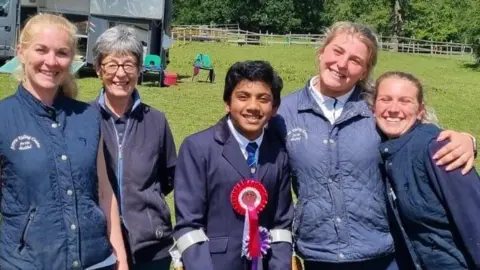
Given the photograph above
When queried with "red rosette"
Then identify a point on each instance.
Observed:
(248, 194)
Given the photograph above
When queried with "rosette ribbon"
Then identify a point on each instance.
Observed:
(249, 198)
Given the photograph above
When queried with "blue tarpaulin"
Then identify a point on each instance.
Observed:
(14, 63)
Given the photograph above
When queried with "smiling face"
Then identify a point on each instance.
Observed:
(397, 106)
(119, 73)
(47, 59)
(250, 108)
(343, 63)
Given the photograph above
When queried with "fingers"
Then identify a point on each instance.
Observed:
(441, 155)
(455, 155)
(468, 166)
(458, 146)
(457, 162)
(444, 135)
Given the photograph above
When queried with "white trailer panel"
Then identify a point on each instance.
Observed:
(142, 9)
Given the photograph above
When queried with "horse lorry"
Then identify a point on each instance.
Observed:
(151, 19)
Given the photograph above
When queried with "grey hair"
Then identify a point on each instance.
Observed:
(119, 39)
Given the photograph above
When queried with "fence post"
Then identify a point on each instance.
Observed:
(380, 42)
(395, 43)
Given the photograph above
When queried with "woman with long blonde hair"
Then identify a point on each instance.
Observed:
(58, 208)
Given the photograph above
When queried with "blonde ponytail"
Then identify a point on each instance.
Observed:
(69, 86)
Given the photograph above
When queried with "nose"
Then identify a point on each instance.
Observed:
(342, 61)
(51, 59)
(253, 104)
(121, 72)
(393, 107)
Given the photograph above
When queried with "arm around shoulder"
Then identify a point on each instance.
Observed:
(460, 151)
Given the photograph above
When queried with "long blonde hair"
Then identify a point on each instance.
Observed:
(364, 34)
(28, 33)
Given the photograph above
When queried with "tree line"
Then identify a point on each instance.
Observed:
(439, 20)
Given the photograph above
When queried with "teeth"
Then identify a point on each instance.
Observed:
(49, 73)
(120, 83)
(337, 74)
(390, 119)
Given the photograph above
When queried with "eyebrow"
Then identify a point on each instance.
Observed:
(354, 56)
(338, 47)
(240, 91)
(358, 59)
(45, 46)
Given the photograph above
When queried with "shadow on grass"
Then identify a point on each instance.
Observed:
(151, 84)
(86, 73)
(205, 82)
(471, 66)
(181, 76)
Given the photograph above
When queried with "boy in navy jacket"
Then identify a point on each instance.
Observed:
(232, 183)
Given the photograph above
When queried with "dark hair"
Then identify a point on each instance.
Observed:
(253, 70)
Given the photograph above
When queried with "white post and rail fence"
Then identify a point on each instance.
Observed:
(231, 33)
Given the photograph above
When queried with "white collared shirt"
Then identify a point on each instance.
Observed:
(326, 103)
(243, 142)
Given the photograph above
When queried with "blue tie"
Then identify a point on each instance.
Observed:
(251, 160)
(334, 105)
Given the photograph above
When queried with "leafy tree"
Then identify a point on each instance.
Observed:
(432, 19)
(277, 16)
(441, 20)
(376, 13)
(469, 26)
(311, 15)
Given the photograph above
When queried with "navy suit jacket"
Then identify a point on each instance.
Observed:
(209, 165)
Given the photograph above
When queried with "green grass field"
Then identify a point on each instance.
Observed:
(452, 84)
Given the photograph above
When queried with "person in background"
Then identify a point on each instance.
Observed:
(58, 208)
(139, 150)
(436, 210)
(332, 142)
(232, 183)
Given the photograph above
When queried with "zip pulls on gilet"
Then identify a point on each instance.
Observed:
(120, 164)
(23, 238)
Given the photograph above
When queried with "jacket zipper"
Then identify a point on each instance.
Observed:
(25, 230)
(120, 163)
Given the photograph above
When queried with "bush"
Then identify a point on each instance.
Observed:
(476, 49)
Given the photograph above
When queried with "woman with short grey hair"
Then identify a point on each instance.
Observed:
(139, 150)
(117, 40)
